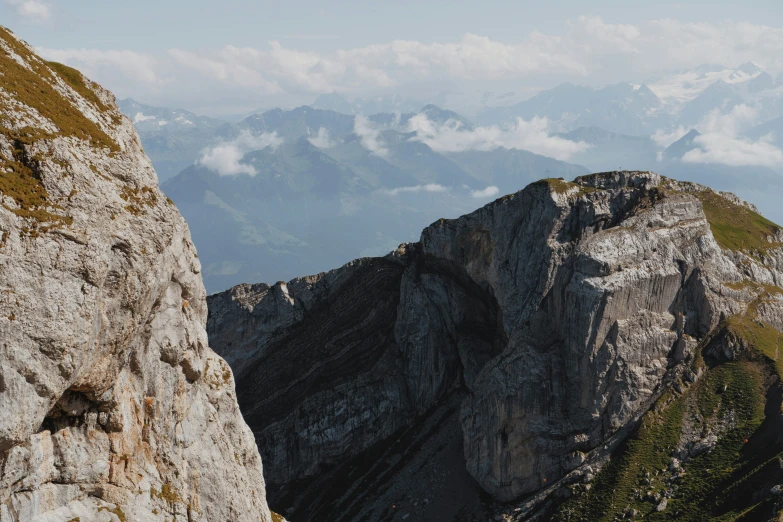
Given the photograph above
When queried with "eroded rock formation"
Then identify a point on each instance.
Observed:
(112, 405)
(556, 316)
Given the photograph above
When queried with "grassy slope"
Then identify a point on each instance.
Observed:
(736, 227)
(33, 88)
(701, 493)
(730, 482)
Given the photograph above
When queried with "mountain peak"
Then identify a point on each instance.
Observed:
(750, 68)
(457, 281)
(746, 71)
(436, 114)
(679, 148)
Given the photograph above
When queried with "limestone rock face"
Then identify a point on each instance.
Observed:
(113, 405)
(561, 313)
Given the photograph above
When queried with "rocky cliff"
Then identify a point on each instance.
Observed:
(559, 348)
(112, 405)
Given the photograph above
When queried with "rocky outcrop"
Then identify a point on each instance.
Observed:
(560, 313)
(113, 405)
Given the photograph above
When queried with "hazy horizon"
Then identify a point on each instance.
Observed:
(229, 59)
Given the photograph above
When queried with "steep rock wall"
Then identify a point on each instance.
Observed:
(113, 405)
(562, 312)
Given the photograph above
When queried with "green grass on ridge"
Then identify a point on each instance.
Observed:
(736, 227)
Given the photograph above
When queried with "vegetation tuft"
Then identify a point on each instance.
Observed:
(137, 199)
(762, 337)
(729, 401)
(561, 186)
(19, 178)
(167, 493)
(18, 181)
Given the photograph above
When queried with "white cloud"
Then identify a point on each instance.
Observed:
(740, 118)
(227, 66)
(719, 141)
(321, 140)
(488, 192)
(587, 49)
(602, 37)
(687, 44)
(32, 9)
(430, 187)
(369, 136)
(531, 135)
(588, 46)
(225, 158)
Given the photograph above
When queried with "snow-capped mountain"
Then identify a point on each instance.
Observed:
(624, 108)
(675, 90)
(149, 118)
(680, 99)
(718, 95)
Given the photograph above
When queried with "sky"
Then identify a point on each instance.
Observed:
(230, 57)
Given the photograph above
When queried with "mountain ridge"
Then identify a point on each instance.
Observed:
(559, 318)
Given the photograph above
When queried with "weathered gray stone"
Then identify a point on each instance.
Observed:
(111, 400)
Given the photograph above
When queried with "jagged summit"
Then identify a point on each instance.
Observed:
(113, 405)
(746, 70)
(526, 346)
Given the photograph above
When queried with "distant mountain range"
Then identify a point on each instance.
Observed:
(322, 197)
(339, 180)
(172, 138)
(682, 98)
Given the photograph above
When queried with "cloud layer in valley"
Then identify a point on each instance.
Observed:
(453, 136)
(721, 142)
(664, 138)
(370, 136)
(321, 139)
(489, 192)
(532, 135)
(486, 193)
